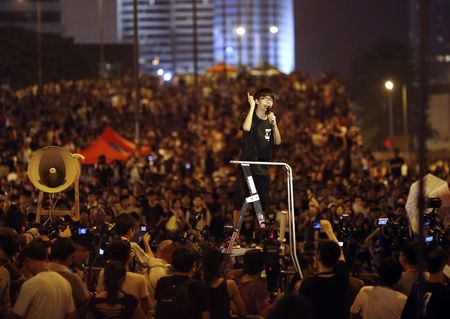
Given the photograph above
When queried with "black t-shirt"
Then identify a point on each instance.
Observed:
(327, 294)
(437, 300)
(219, 301)
(396, 166)
(153, 214)
(257, 144)
(198, 294)
(121, 308)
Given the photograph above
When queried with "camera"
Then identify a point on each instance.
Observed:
(429, 239)
(143, 228)
(316, 225)
(434, 202)
(82, 231)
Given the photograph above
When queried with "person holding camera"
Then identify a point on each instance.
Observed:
(331, 281)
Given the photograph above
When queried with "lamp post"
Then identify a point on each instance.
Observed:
(240, 31)
(194, 42)
(101, 29)
(389, 85)
(137, 103)
(273, 29)
(39, 41)
(405, 109)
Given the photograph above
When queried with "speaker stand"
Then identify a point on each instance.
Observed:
(74, 212)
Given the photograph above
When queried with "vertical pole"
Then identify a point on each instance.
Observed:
(405, 116)
(137, 103)
(39, 41)
(194, 42)
(275, 40)
(422, 156)
(224, 37)
(101, 29)
(391, 114)
(238, 4)
(249, 32)
(405, 109)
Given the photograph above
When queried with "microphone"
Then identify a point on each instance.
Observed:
(268, 111)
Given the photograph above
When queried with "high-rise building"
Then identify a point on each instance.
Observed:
(23, 14)
(238, 32)
(252, 33)
(438, 38)
(178, 36)
(166, 33)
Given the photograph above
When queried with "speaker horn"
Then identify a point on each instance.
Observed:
(52, 169)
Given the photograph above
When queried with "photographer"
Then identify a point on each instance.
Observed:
(326, 288)
(126, 230)
(331, 280)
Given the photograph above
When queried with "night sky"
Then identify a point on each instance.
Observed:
(329, 33)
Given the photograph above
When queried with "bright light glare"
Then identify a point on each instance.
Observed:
(155, 61)
(167, 77)
(273, 29)
(240, 30)
(160, 72)
(389, 85)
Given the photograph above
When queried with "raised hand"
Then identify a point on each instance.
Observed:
(251, 100)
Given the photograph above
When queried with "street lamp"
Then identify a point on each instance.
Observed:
(39, 41)
(240, 31)
(389, 85)
(273, 29)
(101, 29)
(137, 86)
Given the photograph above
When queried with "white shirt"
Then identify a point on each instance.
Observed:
(158, 268)
(47, 295)
(376, 302)
(134, 284)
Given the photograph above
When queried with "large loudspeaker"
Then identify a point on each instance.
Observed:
(52, 169)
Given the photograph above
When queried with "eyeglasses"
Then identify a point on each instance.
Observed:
(266, 99)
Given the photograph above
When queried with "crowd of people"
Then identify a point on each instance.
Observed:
(159, 221)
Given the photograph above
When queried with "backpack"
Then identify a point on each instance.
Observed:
(172, 298)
